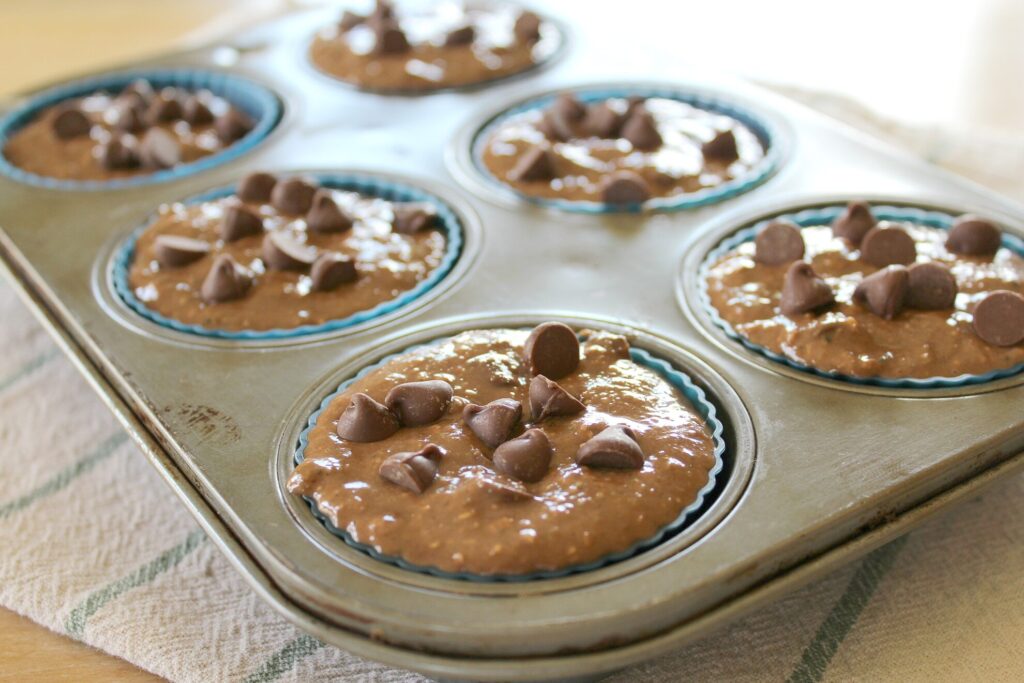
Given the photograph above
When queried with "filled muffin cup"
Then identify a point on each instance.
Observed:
(624, 149)
(258, 107)
(884, 297)
(702, 408)
(382, 196)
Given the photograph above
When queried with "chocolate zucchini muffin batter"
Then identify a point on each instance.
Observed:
(619, 151)
(281, 254)
(507, 452)
(869, 298)
(444, 46)
(138, 131)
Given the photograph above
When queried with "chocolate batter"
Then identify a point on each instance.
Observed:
(582, 164)
(574, 514)
(847, 337)
(388, 264)
(432, 60)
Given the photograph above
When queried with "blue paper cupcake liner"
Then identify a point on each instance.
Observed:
(825, 216)
(262, 105)
(761, 128)
(364, 185)
(694, 394)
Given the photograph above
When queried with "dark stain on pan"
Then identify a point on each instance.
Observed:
(207, 424)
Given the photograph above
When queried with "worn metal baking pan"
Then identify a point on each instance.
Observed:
(820, 471)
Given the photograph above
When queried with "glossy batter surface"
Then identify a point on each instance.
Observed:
(389, 264)
(677, 167)
(575, 515)
(850, 339)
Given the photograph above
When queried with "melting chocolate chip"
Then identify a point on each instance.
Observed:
(174, 251)
(463, 35)
(382, 11)
(282, 252)
(390, 39)
(884, 292)
(999, 318)
(854, 223)
(163, 108)
(159, 149)
(554, 126)
(722, 147)
(413, 471)
(504, 488)
(536, 164)
(624, 188)
(568, 107)
(232, 125)
(883, 247)
(973, 236)
(526, 457)
(527, 27)
(419, 403)
(119, 153)
(331, 270)
(641, 130)
(239, 222)
(349, 20)
(549, 399)
(602, 121)
(778, 243)
(196, 112)
(614, 448)
(293, 196)
(70, 123)
(931, 287)
(493, 423)
(129, 116)
(256, 187)
(413, 217)
(552, 350)
(325, 216)
(803, 291)
(141, 89)
(366, 420)
(225, 281)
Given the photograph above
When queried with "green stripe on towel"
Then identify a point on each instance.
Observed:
(284, 659)
(28, 368)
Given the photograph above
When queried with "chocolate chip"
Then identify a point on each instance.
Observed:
(232, 125)
(282, 252)
(536, 164)
(413, 471)
(293, 196)
(549, 399)
(141, 89)
(332, 269)
(624, 188)
(973, 236)
(641, 130)
(70, 123)
(568, 107)
(366, 420)
(552, 350)
(174, 251)
(778, 243)
(602, 121)
(119, 153)
(722, 147)
(225, 281)
(614, 448)
(883, 247)
(349, 20)
(554, 126)
(462, 35)
(413, 217)
(159, 149)
(390, 39)
(128, 116)
(526, 457)
(503, 488)
(999, 318)
(256, 187)
(325, 216)
(803, 291)
(382, 11)
(527, 27)
(932, 287)
(419, 403)
(854, 223)
(239, 222)
(493, 423)
(196, 112)
(162, 109)
(884, 292)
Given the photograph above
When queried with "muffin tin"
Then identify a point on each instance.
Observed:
(816, 471)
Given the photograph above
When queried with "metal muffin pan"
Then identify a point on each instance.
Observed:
(822, 474)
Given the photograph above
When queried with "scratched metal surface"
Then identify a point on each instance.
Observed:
(814, 464)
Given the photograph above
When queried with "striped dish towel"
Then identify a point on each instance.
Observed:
(94, 546)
